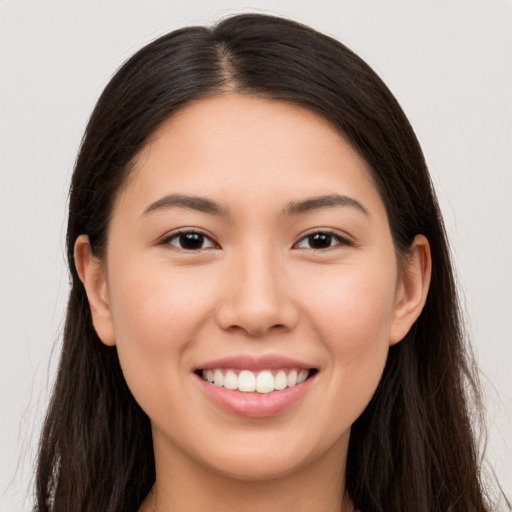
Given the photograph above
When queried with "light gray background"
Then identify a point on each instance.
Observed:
(449, 63)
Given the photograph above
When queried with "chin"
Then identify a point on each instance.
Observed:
(261, 468)
(264, 458)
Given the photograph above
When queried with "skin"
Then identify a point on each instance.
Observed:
(256, 287)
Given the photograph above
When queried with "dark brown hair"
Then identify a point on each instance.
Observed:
(413, 448)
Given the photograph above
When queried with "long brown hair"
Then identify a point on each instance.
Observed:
(414, 447)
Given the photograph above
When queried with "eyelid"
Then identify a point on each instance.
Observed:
(344, 240)
(165, 240)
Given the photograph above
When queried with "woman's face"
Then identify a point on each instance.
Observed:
(250, 246)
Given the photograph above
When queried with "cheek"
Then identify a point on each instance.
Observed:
(158, 307)
(353, 304)
(352, 316)
(157, 313)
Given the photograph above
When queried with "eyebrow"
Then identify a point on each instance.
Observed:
(188, 202)
(321, 202)
(293, 208)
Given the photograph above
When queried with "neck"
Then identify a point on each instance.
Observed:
(181, 484)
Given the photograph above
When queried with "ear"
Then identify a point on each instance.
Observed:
(412, 288)
(92, 273)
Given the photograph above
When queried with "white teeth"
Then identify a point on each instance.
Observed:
(302, 376)
(261, 382)
(231, 380)
(280, 381)
(292, 378)
(246, 381)
(218, 378)
(264, 382)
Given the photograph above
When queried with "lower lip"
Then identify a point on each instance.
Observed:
(255, 405)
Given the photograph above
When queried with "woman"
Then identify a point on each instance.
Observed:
(263, 313)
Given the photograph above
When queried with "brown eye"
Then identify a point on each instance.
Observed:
(190, 241)
(321, 240)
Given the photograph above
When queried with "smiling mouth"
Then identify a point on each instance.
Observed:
(265, 381)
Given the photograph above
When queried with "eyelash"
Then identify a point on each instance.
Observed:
(176, 236)
(336, 236)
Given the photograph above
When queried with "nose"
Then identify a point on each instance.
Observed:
(255, 296)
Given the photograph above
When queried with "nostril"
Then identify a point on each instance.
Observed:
(257, 310)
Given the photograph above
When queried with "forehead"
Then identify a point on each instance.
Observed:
(233, 144)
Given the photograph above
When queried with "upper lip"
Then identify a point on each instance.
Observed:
(255, 363)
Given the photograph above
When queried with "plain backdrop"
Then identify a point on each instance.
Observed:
(448, 62)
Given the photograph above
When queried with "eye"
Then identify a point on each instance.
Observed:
(321, 240)
(190, 241)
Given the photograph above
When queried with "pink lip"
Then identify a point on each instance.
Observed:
(255, 405)
(253, 363)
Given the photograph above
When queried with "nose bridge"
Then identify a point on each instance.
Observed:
(255, 296)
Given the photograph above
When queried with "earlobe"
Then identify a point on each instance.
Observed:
(412, 289)
(92, 273)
